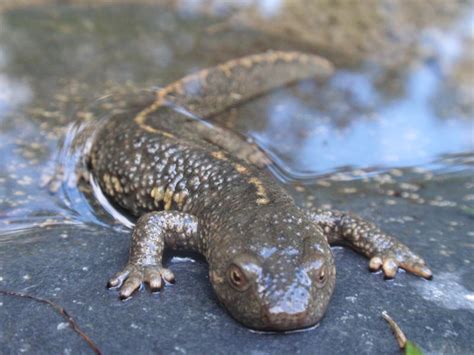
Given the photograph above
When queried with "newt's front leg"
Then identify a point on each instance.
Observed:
(152, 233)
(384, 251)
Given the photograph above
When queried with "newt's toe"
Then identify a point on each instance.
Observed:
(168, 275)
(118, 278)
(375, 263)
(132, 284)
(419, 269)
(390, 268)
(153, 279)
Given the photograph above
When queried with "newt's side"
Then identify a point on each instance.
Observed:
(200, 187)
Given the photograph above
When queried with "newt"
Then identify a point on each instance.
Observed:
(200, 187)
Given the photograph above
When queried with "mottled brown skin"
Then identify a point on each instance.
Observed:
(199, 187)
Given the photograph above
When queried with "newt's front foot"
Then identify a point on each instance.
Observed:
(397, 256)
(383, 250)
(133, 276)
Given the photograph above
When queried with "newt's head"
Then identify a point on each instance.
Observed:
(274, 273)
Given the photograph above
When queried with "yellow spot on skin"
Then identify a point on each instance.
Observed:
(157, 194)
(227, 68)
(262, 201)
(168, 199)
(202, 75)
(235, 96)
(290, 56)
(241, 169)
(246, 62)
(180, 198)
(116, 184)
(176, 87)
(108, 184)
(261, 192)
(219, 155)
(140, 118)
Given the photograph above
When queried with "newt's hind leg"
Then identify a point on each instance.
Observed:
(384, 251)
(232, 142)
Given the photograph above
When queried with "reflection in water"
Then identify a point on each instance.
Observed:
(377, 131)
(13, 93)
(389, 132)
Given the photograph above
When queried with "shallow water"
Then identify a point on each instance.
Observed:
(390, 140)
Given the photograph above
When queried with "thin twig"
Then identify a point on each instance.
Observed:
(399, 335)
(73, 324)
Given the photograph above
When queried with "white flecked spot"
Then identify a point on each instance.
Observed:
(351, 299)
(180, 350)
(62, 325)
(470, 297)
(24, 348)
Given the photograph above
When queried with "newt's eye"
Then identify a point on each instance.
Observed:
(237, 278)
(321, 277)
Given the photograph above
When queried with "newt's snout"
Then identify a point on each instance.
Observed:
(288, 314)
(292, 301)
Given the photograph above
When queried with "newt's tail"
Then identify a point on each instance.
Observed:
(213, 90)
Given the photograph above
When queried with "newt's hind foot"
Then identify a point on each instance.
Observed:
(132, 277)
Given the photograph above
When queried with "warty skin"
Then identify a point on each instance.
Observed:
(194, 186)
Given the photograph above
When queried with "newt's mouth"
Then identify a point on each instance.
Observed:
(289, 331)
(291, 320)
